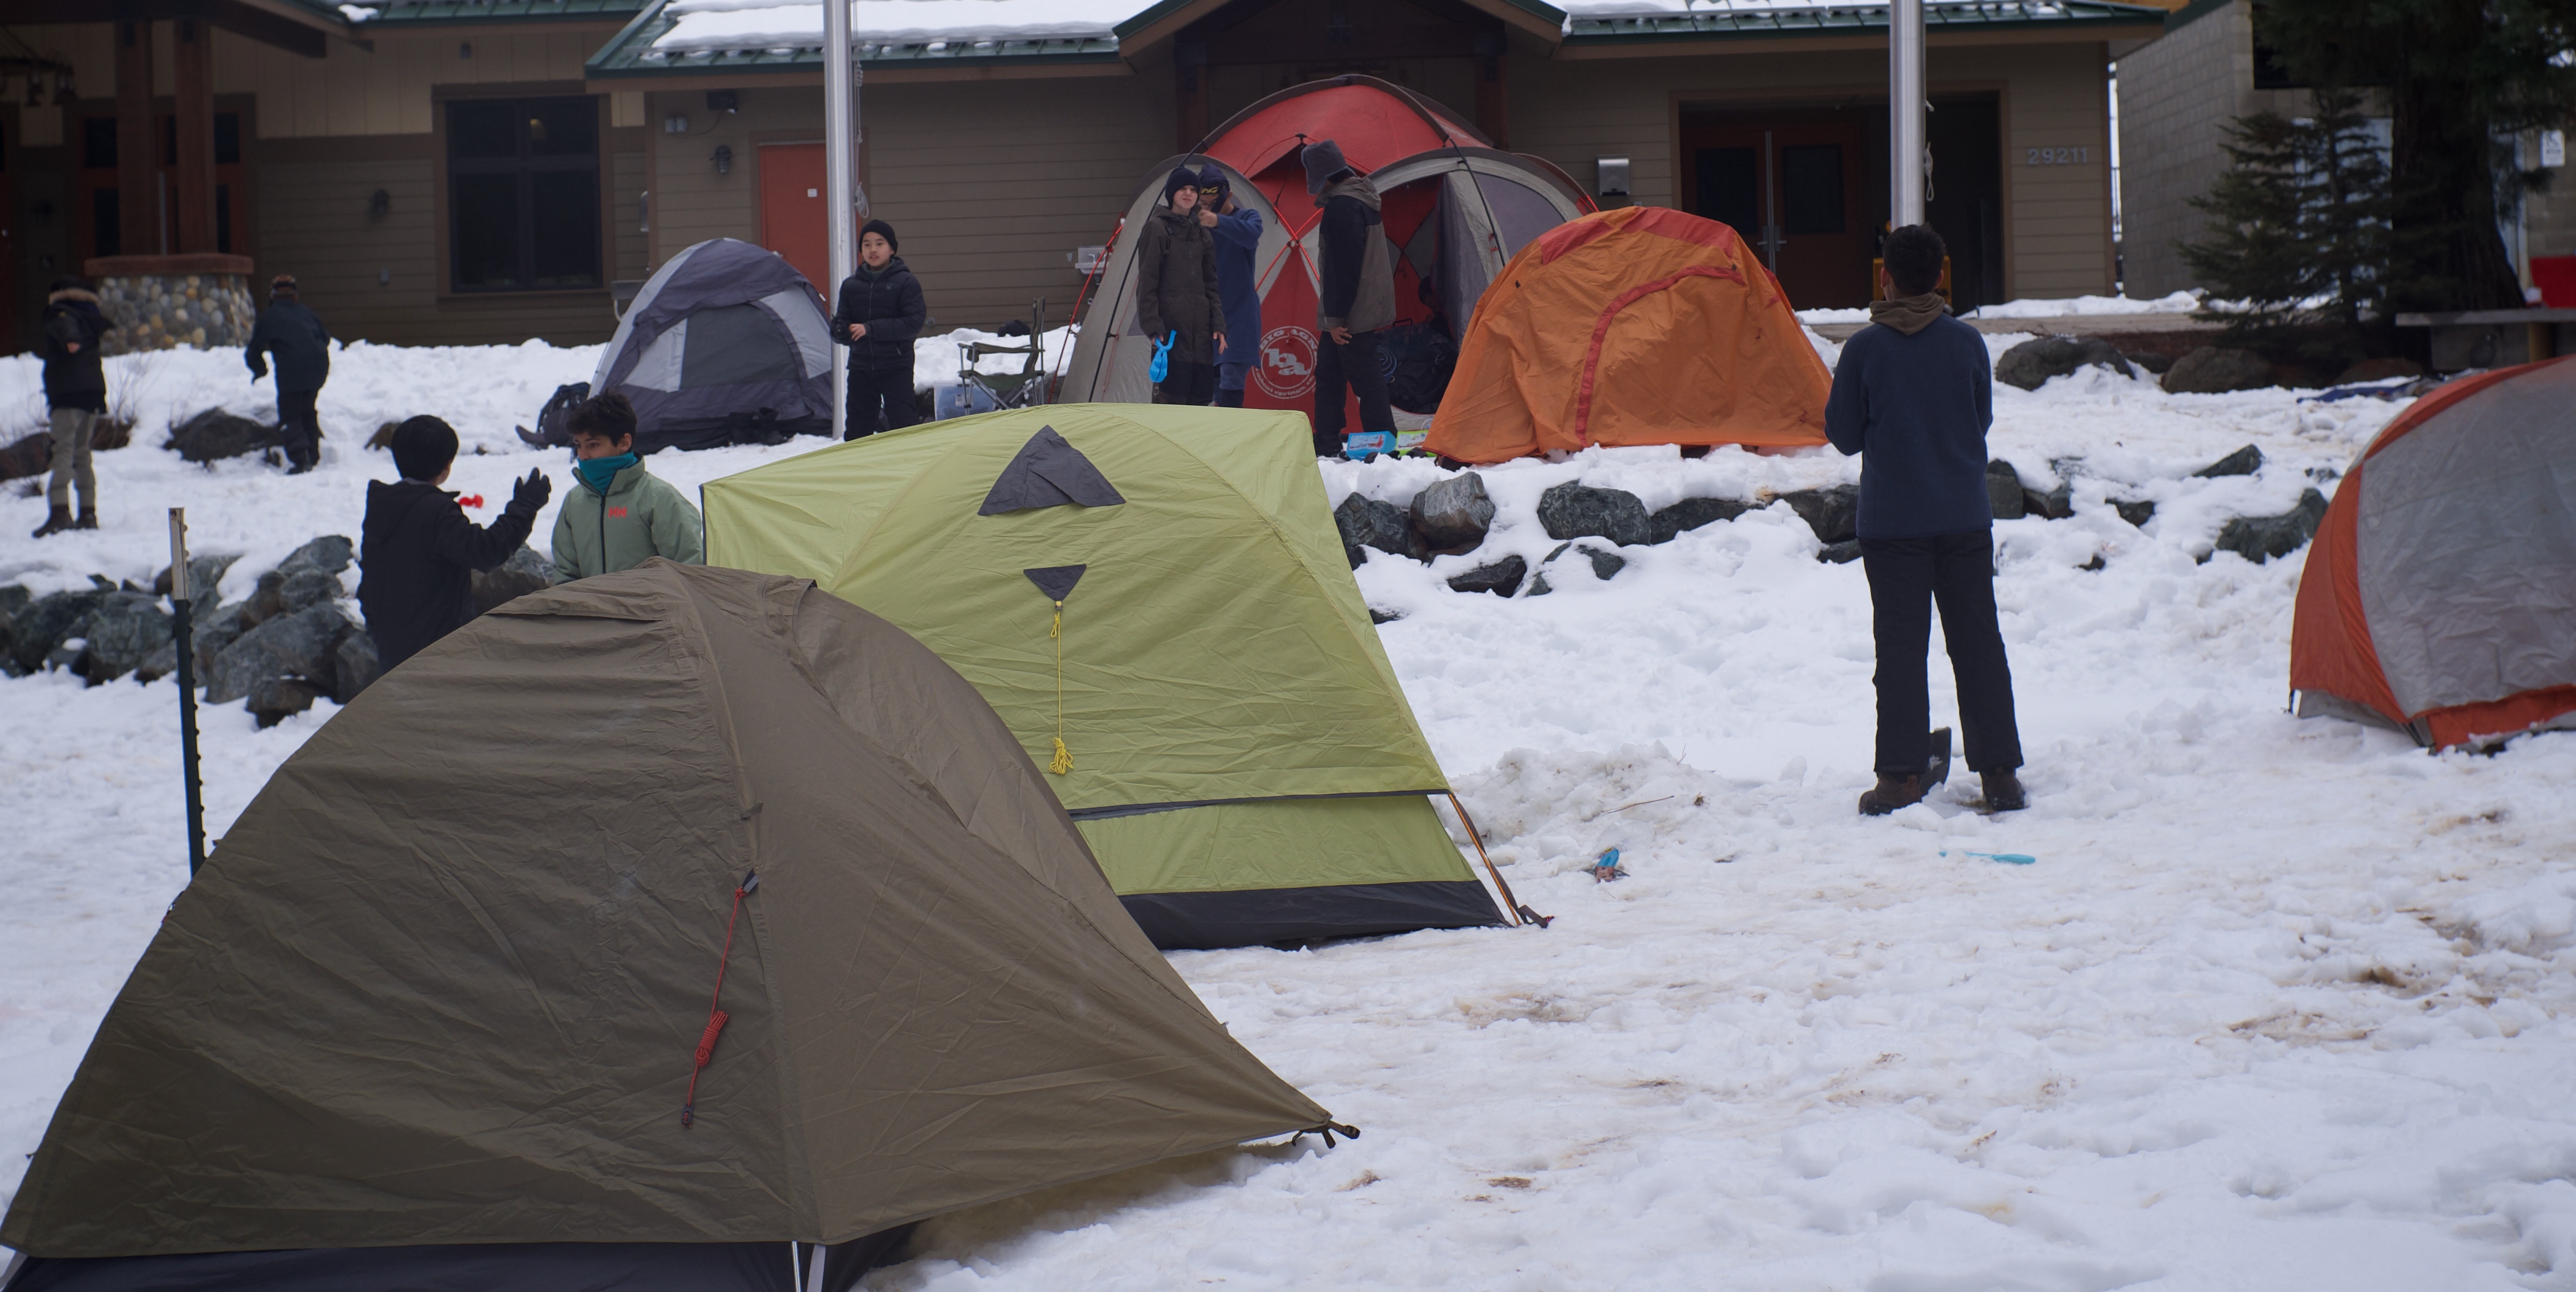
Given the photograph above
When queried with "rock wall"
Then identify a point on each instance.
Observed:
(159, 311)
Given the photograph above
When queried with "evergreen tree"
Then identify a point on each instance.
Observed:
(2299, 228)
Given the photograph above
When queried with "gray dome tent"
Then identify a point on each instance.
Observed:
(726, 344)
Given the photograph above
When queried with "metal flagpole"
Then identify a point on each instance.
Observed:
(1905, 143)
(183, 636)
(840, 167)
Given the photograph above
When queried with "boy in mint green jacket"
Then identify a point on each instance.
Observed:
(619, 515)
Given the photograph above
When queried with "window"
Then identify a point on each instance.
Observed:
(1811, 188)
(98, 143)
(523, 194)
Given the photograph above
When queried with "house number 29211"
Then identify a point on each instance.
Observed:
(2057, 156)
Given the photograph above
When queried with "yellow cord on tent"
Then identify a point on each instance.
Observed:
(1063, 757)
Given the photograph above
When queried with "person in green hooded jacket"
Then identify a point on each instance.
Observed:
(619, 515)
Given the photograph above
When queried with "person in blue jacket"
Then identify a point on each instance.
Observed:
(1238, 235)
(290, 329)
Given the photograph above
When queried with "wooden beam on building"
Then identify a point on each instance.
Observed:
(1493, 100)
(1189, 94)
(270, 28)
(192, 179)
(138, 150)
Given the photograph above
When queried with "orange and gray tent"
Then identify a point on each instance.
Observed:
(1637, 326)
(674, 929)
(2440, 594)
(1454, 207)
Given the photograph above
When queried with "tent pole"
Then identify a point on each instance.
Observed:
(840, 134)
(1511, 905)
(1905, 95)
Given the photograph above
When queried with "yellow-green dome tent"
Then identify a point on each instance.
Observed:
(1157, 603)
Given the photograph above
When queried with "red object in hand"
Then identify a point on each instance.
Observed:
(472, 500)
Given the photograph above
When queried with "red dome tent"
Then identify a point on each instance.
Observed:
(1455, 208)
(2440, 594)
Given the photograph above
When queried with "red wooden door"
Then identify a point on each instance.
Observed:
(793, 220)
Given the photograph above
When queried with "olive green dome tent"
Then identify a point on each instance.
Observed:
(432, 1014)
(1157, 603)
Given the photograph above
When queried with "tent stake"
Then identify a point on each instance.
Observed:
(1520, 914)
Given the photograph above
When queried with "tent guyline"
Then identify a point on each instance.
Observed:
(1056, 582)
(716, 1017)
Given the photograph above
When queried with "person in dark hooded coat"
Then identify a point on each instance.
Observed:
(294, 333)
(1177, 296)
(881, 312)
(417, 551)
(1357, 278)
(75, 398)
(1237, 232)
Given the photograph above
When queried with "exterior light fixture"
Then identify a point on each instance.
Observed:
(378, 203)
(1613, 172)
(723, 159)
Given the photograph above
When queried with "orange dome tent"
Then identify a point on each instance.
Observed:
(1637, 326)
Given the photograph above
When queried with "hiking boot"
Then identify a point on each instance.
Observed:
(2004, 792)
(56, 521)
(88, 519)
(1891, 793)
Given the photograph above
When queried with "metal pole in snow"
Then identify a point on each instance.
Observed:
(183, 635)
(1905, 94)
(840, 127)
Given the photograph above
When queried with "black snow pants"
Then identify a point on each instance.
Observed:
(882, 392)
(300, 427)
(1354, 368)
(1907, 576)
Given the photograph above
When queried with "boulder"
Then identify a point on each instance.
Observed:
(304, 644)
(2212, 370)
(45, 621)
(1454, 515)
(2260, 538)
(1377, 616)
(354, 665)
(2004, 491)
(1502, 578)
(2056, 504)
(1690, 514)
(213, 632)
(1833, 513)
(12, 600)
(29, 455)
(330, 554)
(1605, 563)
(2159, 364)
(1571, 511)
(1842, 553)
(2137, 512)
(523, 573)
(2035, 361)
(215, 434)
(306, 587)
(2379, 370)
(2243, 462)
(1366, 522)
(276, 698)
(204, 572)
(127, 630)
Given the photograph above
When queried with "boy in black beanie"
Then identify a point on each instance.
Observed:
(881, 312)
(416, 549)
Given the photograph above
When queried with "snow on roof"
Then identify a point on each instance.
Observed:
(1806, 12)
(767, 24)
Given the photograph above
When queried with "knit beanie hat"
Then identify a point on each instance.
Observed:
(1213, 177)
(882, 230)
(1181, 177)
(423, 446)
(1323, 162)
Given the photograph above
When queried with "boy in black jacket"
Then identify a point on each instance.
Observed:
(75, 395)
(416, 549)
(880, 313)
(1914, 392)
(1358, 283)
(295, 334)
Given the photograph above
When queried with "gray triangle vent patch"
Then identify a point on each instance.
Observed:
(1048, 473)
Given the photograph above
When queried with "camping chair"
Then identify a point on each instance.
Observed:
(1023, 389)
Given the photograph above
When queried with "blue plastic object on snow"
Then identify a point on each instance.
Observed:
(1162, 365)
(2007, 858)
(1362, 444)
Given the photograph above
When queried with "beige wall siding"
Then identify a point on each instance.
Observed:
(988, 184)
(353, 91)
(2177, 96)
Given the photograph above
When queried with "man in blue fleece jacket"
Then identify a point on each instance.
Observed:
(1914, 393)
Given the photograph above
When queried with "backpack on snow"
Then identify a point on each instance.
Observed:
(552, 430)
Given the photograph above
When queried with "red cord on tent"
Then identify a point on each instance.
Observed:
(716, 1018)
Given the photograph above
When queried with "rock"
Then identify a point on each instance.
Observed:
(1833, 513)
(1571, 511)
(2003, 491)
(330, 554)
(2159, 364)
(1377, 616)
(2056, 504)
(2243, 462)
(1502, 578)
(45, 622)
(274, 699)
(2211, 370)
(2260, 538)
(220, 629)
(127, 629)
(1842, 553)
(355, 667)
(523, 573)
(215, 434)
(1366, 522)
(2096, 565)
(304, 644)
(1605, 563)
(1690, 514)
(30, 455)
(1454, 515)
(2137, 512)
(307, 587)
(2379, 370)
(204, 573)
(2035, 361)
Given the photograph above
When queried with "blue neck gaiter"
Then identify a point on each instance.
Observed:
(598, 472)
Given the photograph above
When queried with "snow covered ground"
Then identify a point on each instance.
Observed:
(2280, 1004)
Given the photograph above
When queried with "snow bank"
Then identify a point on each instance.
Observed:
(2055, 307)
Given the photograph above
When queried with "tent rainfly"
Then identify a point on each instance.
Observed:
(1156, 601)
(725, 344)
(645, 933)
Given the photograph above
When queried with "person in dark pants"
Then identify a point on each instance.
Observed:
(1238, 235)
(75, 397)
(303, 349)
(1914, 395)
(1177, 298)
(1358, 298)
(880, 313)
(416, 549)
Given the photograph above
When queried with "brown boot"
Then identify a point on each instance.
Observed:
(56, 521)
(2004, 792)
(1891, 793)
